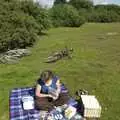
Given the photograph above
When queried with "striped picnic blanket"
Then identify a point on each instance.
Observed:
(16, 109)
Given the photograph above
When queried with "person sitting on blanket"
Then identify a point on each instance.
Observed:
(44, 100)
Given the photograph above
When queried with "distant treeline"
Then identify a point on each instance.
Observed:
(22, 21)
(88, 12)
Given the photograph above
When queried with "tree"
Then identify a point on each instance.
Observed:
(111, 7)
(65, 15)
(102, 13)
(59, 2)
(20, 23)
(81, 4)
(40, 14)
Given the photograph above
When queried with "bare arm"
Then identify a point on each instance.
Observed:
(38, 94)
(58, 86)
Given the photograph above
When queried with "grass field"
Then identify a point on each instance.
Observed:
(95, 65)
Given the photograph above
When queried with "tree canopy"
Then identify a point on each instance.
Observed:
(21, 22)
(86, 4)
(59, 2)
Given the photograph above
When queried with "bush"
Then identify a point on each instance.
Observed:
(20, 28)
(82, 4)
(98, 13)
(19, 31)
(65, 15)
(40, 14)
(104, 16)
(59, 2)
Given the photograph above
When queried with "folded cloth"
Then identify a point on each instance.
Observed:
(16, 108)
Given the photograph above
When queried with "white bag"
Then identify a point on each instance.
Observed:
(28, 102)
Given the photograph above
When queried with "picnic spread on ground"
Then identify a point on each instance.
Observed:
(50, 100)
(22, 110)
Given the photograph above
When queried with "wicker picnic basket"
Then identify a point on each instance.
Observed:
(91, 106)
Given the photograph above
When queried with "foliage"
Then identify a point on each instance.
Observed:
(22, 21)
(103, 16)
(65, 15)
(59, 2)
(40, 14)
(82, 4)
(105, 13)
(20, 28)
(98, 13)
(110, 7)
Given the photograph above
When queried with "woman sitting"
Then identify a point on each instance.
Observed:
(48, 92)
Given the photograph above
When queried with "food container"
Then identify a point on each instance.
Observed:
(70, 112)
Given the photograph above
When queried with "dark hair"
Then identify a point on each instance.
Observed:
(46, 75)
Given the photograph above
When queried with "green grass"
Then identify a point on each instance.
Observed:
(95, 65)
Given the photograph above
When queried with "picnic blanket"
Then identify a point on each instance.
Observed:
(16, 109)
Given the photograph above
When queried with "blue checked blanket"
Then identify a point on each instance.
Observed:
(16, 109)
